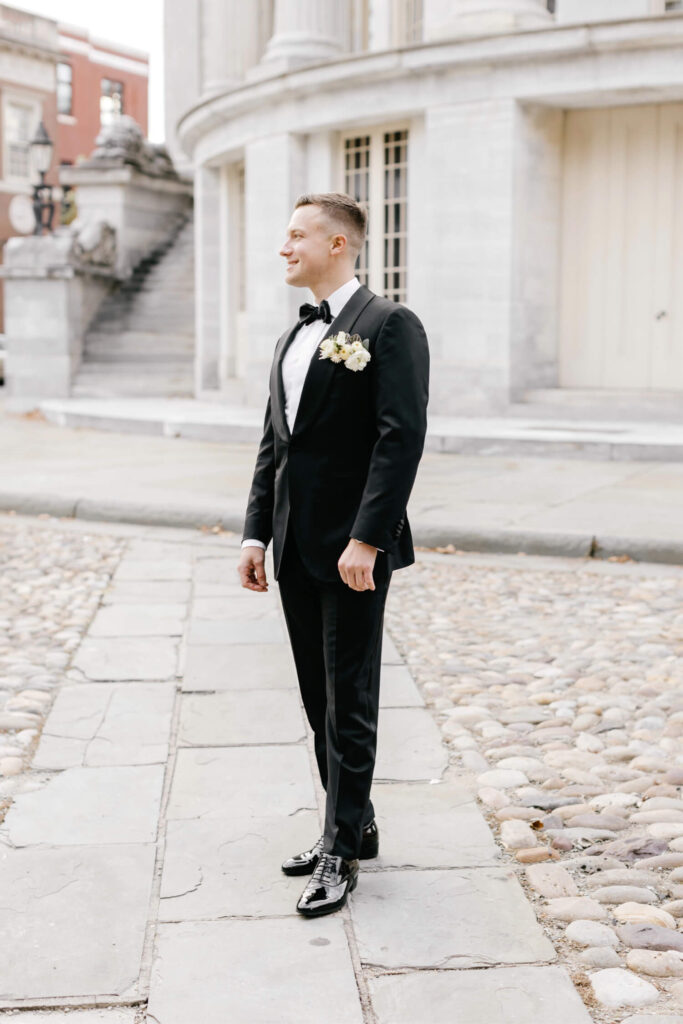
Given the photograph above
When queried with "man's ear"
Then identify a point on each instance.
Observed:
(339, 244)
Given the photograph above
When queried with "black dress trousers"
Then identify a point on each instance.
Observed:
(336, 638)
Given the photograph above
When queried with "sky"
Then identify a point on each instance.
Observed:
(137, 23)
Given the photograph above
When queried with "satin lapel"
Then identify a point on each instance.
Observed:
(320, 371)
(277, 390)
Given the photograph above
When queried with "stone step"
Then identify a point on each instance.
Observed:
(499, 437)
(163, 366)
(596, 404)
(111, 387)
(141, 342)
(135, 362)
(167, 323)
(142, 338)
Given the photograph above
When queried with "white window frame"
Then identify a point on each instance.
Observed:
(407, 22)
(376, 135)
(10, 96)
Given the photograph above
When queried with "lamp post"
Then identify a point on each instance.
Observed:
(41, 158)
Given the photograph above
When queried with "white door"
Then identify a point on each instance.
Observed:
(621, 290)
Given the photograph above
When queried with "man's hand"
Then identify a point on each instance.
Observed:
(252, 569)
(356, 564)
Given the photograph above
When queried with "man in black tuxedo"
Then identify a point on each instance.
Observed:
(343, 435)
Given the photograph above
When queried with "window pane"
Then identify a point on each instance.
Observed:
(395, 214)
(357, 184)
(19, 122)
(111, 100)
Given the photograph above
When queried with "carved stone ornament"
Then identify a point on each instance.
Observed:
(93, 242)
(122, 142)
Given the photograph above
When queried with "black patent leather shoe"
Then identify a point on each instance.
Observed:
(304, 863)
(331, 882)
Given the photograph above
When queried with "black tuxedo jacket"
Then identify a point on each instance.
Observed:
(348, 466)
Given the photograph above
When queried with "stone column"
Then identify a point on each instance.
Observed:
(448, 19)
(269, 198)
(231, 40)
(208, 283)
(306, 31)
(467, 239)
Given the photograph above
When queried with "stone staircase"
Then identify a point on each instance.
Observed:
(141, 342)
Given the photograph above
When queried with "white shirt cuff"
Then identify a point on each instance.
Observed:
(253, 544)
(365, 542)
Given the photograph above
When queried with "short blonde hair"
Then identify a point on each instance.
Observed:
(342, 210)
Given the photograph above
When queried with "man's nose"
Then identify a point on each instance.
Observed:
(286, 249)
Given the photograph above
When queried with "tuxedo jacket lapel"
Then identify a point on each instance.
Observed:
(319, 374)
(277, 390)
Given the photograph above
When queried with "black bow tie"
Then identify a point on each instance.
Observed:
(308, 312)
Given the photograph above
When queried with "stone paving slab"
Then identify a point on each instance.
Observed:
(390, 654)
(94, 900)
(162, 569)
(249, 606)
(501, 995)
(239, 667)
(398, 688)
(288, 971)
(409, 746)
(93, 724)
(266, 630)
(229, 587)
(139, 620)
(248, 717)
(106, 1015)
(654, 1018)
(431, 826)
(148, 549)
(231, 868)
(96, 805)
(134, 658)
(238, 782)
(141, 591)
(221, 570)
(475, 917)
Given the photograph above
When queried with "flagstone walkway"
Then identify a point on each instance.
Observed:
(139, 877)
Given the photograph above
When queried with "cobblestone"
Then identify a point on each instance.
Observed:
(559, 690)
(51, 582)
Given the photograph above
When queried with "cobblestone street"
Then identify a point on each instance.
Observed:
(51, 582)
(154, 767)
(558, 687)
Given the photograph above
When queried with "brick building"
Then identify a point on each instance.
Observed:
(95, 80)
(71, 81)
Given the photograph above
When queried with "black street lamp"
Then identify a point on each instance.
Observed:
(41, 158)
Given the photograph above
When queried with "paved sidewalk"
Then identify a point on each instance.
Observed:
(540, 505)
(140, 870)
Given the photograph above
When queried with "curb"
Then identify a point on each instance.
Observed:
(513, 541)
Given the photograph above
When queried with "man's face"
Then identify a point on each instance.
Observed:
(309, 247)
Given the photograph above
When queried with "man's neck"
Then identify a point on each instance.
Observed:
(324, 289)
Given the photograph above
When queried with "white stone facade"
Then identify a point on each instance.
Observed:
(488, 93)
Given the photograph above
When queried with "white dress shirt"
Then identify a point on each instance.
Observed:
(298, 358)
(300, 353)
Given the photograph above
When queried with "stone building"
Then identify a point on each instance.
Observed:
(522, 165)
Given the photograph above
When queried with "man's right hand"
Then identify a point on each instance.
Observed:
(252, 569)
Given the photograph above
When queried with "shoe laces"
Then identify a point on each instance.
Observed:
(326, 870)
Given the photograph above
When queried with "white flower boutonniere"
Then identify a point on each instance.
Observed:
(349, 349)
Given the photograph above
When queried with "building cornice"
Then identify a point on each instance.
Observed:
(465, 55)
(14, 44)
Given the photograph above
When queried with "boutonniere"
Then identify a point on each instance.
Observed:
(349, 349)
